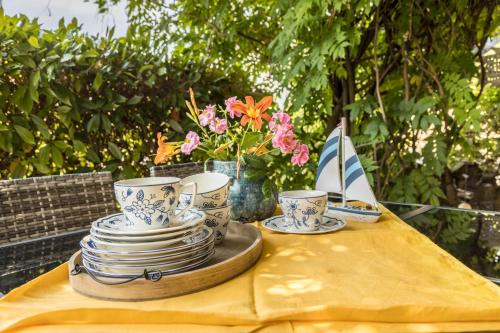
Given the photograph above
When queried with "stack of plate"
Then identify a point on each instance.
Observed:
(113, 250)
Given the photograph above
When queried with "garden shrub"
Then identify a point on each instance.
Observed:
(76, 103)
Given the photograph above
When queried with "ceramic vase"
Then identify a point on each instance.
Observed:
(248, 202)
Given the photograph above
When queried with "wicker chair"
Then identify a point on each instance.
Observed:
(179, 170)
(45, 206)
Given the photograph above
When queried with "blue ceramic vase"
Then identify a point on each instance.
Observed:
(248, 202)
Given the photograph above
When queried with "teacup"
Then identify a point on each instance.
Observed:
(150, 203)
(303, 209)
(217, 219)
(212, 190)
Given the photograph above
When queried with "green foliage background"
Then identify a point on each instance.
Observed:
(76, 103)
(409, 76)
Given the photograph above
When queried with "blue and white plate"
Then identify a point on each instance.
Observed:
(118, 225)
(165, 271)
(278, 224)
(90, 243)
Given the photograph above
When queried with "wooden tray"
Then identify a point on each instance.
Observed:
(240, 250)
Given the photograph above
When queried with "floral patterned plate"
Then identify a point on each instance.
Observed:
(278, 224)
(143, 246)
(139, 267)
(200, 239)
(165, 272)
(118, 225)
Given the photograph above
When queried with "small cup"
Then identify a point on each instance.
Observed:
(303, 209)
(213, 190)
(150, 203)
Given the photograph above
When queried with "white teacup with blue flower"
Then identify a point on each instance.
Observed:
(149, 203)
(303, 209)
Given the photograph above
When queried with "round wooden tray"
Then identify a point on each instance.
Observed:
(240, 250)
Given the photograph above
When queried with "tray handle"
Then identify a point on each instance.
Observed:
(153, 276)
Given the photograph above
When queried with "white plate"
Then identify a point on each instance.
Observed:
(171, 271)
(278, 224)
(204, 248)
(131, 239)
(94, 243)
(118, 225)
(203, 240)
(139, 268)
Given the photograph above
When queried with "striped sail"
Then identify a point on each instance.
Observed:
(356, 183)
(328, 174)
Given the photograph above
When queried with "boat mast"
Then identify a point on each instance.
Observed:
(342, 136)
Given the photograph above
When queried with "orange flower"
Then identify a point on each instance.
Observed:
(165, 150)
(252, 112)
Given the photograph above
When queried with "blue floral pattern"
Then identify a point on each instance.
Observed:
(144, 208)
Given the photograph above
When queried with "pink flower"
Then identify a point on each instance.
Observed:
(300, 155)
(218, 126)
(285, 140)
(279, 119)
(229, 106)
(190, 143)
(207, 115)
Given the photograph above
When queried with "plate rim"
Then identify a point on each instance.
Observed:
(314, 232)
(83, 245)
(147, 232)
(168, 272)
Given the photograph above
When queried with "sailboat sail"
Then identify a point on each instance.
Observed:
(328, 174)
(356, 183)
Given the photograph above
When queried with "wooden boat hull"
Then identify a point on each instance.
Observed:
(353, 214)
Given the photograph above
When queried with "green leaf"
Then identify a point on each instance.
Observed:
(255, 162)
(250, 140)
(106, 124)
(134, 100)
(97, 81)
(175, 125)
(115, 150)
(92, 156)
(61, 145)
(34, 80)
(57, 157)
(94, 123)
(254, 174)
(44, 154)
(25, 134)
(22, 99)
(41, 126)
(78, 146)
(33, 41)
(42, 168)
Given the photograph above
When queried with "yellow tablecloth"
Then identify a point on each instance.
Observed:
(383, 277)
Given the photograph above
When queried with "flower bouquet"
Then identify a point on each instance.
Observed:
(241, 132)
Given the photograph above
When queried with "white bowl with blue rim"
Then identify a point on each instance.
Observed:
(212, 190)
(217, 219)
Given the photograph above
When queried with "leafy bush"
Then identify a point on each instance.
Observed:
(77, 103)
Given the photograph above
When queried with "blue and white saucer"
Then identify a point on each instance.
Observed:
(278, 224)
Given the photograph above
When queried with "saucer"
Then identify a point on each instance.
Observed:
(118, 225)
(278, 224)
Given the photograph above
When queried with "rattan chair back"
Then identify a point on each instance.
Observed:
(179, 170)
(44, 206)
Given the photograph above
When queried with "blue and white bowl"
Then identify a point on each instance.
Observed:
(212, 190)
(218, 219)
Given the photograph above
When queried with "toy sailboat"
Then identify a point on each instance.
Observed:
(354, 184)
